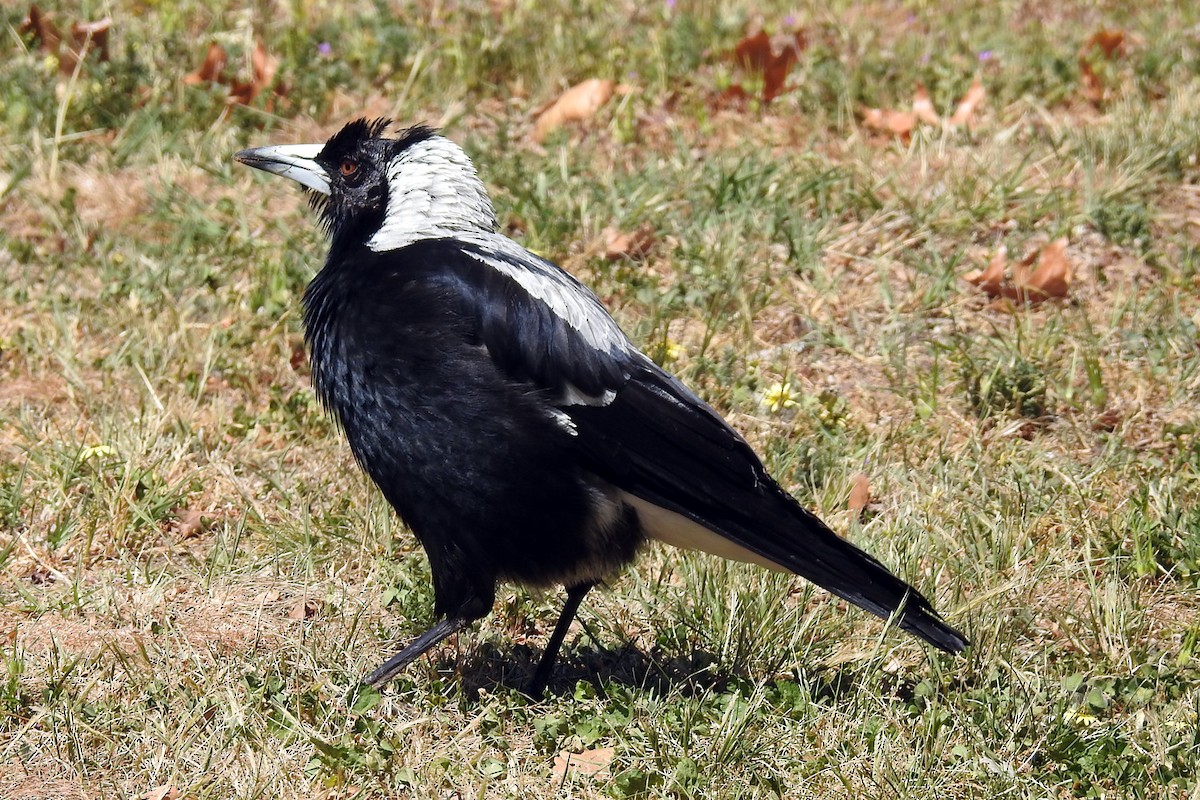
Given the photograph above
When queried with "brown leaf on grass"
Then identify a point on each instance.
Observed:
(45, 33)
(897, 123)
(1091, 87)
(189, 523)
(860, 494)
(580, 102)
(923, 108)
(590, 762)
(165, 792)
(1108, 41)
(304, 609)
(964, 114)
(634, 244)
(773, 57)
(1052, 278)
(264, 66)
(92, 36)
(210, 71)
(991, 279)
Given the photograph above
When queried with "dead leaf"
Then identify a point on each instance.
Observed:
(264, 66)
(164, 792)
(1091, 87)
(964, 114)
(922, 107)
(773, 57)
(633, 245)
(1108, 41)
(305, 609)
(576, 104)
(43, 29)
(991, 279)
(91, 36)
(189, 523)
(210, 71)
(897, 123)
(860, 494)
(590, 762)
(1052, 278)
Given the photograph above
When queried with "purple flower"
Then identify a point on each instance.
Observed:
(789, 21)
(324, 48)
(985, 55)
(670, 4)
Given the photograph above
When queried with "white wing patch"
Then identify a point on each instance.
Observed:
(570, 300)
(676, 529)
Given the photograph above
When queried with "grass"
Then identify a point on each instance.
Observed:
(193, 575)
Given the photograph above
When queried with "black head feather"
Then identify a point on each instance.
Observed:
(356, 158)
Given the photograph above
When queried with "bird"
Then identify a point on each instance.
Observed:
(513, 426)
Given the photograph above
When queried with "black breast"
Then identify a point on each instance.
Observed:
(474, 461)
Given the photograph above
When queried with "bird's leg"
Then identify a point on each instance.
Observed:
(541, 677)
(388, 669)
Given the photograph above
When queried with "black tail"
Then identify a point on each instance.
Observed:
(801, 543)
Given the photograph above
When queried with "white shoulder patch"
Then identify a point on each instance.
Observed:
(567, 297)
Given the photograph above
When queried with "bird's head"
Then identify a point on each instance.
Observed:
(384, 192)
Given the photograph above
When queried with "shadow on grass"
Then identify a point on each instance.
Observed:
(510, 667)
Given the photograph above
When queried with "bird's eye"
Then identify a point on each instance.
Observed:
(348, 168)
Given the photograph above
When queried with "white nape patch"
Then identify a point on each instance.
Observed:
(678, 530)
(433, 192)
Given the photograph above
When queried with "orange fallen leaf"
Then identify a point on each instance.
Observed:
(860, 494)
(635, 244)
(923, 108)
(189, 523)
(773, 57)
(45, 33)
(897, 123)
(1052, 278)
(589, 762)
(578, 103)
(1091, 86)
(264, 66)
(964, 114)
(304, 609)
(1108, 41)
(990, 279)
(91, 36)
(210, 71)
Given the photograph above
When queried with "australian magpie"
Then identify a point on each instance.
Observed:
(504, 415)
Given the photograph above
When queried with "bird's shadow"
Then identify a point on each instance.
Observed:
(493, 667)
(510, 667)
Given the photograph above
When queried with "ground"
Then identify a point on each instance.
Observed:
(195, 575)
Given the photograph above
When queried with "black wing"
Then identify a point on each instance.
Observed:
(660, 442)
(642, 430)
